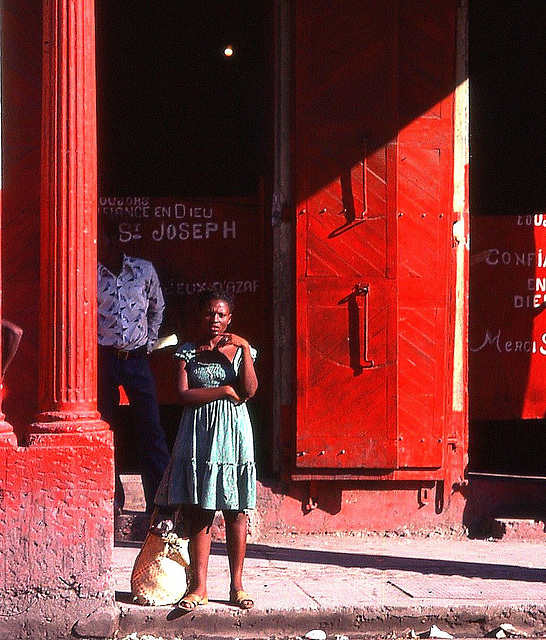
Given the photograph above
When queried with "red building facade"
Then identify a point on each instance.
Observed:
(56, 524)
(360, 250)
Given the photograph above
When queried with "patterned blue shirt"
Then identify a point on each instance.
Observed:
(130, 305)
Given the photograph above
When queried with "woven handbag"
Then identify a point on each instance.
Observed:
(161, 572)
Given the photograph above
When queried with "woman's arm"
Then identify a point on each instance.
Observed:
(248, 381)
(247, 374)
(203, 395)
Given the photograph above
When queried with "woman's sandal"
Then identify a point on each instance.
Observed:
(241, 599)
(191, 601)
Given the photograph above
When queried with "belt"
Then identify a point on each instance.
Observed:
(122, 354)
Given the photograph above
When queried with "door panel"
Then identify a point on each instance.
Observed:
(421, 335)
(346, 226)
(373, 138)
(347, 230)
(347, 374)
(424, 246)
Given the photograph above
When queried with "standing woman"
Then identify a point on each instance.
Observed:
(212, 464)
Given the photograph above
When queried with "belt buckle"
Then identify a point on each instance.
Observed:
(122, 355)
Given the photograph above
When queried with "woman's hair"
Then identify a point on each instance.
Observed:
(206, 296)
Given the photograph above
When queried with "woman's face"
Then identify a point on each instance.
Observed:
(215, 317)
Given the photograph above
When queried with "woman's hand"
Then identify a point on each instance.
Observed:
(247, 374)
(232, 339)
(231, 394)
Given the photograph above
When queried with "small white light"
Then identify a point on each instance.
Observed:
(228, 51)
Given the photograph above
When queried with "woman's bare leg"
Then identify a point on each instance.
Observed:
(236, 533)
(200, 541)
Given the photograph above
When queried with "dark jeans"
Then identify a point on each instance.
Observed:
(136, 377)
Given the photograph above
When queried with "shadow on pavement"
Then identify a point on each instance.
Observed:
(394, 563)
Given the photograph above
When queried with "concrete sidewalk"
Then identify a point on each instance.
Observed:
(357, 586)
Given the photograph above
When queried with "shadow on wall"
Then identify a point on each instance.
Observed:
(490, 499)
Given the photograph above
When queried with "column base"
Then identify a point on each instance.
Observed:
(7, 435)
(68, 422)
(53, 425)
(56, 531)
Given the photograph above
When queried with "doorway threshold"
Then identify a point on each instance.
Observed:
(503, 476)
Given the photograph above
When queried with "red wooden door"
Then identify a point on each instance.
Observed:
(347, 321)
(373, 139)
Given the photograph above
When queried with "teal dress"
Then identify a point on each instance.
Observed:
(212, 463)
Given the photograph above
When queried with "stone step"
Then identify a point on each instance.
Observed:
(134, 494)
(133, 523)
(519, 529)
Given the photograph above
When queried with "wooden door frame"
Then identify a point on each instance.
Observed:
(283, 256)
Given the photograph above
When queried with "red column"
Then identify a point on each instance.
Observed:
(68, 322)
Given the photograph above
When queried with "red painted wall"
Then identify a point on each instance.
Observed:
(508, 326)
(21, 113)
(56, 533)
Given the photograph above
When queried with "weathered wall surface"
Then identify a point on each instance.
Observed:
(402, 508)
(56, 532)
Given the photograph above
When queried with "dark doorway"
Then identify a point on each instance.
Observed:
(507, 123)
(183, 112)
(177, 116)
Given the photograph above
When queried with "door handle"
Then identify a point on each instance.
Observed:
(362, 291)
